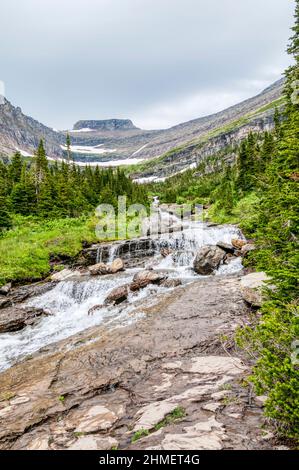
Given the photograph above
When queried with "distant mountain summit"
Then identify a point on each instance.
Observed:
(23, 133)
(105, 125)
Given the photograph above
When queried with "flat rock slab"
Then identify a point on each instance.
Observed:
(115, 382)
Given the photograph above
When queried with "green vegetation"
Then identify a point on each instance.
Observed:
(177, 414)
(140, 434)
(45, 210)
(260, 192)
(26, 249)
(61, 398)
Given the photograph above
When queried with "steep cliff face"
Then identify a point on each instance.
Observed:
(105, 125)
(21, 132)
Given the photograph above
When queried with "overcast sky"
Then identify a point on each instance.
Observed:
(158, 62)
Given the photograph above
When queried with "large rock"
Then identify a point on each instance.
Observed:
(247, 249)
(118, 295)
(16, 318)
(102, 268)
(99, 268)
(64, 275)
(143, 278)
(4, 290)
(208, 259)
(226, 247)
(251, 288)
(116, 266)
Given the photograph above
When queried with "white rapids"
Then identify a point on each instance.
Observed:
(68, 302)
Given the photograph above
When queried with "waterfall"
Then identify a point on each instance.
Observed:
(68, 302)
(99, 255)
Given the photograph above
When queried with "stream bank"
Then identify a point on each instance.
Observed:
(159, 371)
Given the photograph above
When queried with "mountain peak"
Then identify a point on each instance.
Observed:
(105, 125)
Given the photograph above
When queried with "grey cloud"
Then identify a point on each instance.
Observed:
(142, 59)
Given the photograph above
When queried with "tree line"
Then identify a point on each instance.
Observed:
(56, 190)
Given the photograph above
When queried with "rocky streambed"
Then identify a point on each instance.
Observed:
(155, 368)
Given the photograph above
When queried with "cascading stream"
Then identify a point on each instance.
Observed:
(69, 301)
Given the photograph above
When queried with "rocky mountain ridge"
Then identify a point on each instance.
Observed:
(105, 124)
(164, 152)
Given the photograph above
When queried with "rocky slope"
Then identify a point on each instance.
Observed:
(115, 139)
(21, 132)
(175, 375)
(105, 125)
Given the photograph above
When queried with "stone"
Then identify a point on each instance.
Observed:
(99, 269)
(96, 418)
(226, 247)
(238, 244)
(214, 406)
(247, 249)
(220, 365)
(64, 274)
(4, 290)
(170, 283)
(118, 295)
(260, 400)
(40, 443)
(93, 443)
(251, 288)
(152, 414)
(19, 400)
(16, 318)
(205, 435)
(143, 278)
(208, 259)
(116, 266)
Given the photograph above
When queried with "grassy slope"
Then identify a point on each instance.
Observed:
(154, 162)
(25, 250)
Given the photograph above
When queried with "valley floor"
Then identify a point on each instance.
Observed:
(172, 380)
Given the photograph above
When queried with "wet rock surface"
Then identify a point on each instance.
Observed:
(169, 373)
(208, 259)
(16, 318)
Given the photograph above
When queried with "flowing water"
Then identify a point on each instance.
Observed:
(69, 301)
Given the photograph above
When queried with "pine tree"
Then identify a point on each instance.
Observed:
(41, 166)
(68, 147)
(15, 167)
(5, 217)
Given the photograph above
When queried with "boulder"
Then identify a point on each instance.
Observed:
(251, 288)
(208, 259)
(99, 268)
(247, 248)
(237, 243)
(16, 318)
(170, 283)
(102, 268)
(143, 278)
(226, 247)
(118, 295)
(64, 275)
(116, 266)
(4, 290)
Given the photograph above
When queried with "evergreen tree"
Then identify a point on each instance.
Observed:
(5, 217)
(41, 166)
